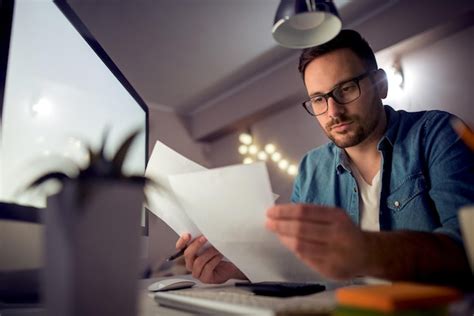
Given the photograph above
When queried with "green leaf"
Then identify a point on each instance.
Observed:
(119, 157)
(60, 176)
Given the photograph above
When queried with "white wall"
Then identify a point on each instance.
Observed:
(168, 127)
(438, 76)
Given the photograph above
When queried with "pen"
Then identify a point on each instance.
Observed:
(464, 132)
(176, 255)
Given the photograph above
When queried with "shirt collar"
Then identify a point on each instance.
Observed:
(342, 160)
(389, 138)
(386, 142)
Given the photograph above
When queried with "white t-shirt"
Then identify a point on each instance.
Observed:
(369, 200)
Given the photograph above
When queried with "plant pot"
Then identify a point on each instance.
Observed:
(93, 248)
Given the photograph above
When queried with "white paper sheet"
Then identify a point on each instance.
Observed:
(162, 201)
(228, 206)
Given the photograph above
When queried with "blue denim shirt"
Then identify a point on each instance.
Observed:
(427, 175)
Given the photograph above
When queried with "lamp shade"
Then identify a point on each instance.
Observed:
(305, 23)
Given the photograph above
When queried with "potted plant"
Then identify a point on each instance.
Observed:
(93, 237)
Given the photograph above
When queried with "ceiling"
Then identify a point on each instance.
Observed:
(180, 54)
(199, 58)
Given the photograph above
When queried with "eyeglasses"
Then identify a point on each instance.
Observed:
(343, 93)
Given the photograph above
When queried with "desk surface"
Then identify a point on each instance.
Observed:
(147, 305)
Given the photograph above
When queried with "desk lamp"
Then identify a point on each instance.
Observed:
(305, 23)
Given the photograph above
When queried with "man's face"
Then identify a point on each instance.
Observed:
(349, 124)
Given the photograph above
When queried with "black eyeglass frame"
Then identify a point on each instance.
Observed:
(330, 94)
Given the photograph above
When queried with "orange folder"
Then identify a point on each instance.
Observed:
(396, 296)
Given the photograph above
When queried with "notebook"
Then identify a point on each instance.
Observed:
(397, 296)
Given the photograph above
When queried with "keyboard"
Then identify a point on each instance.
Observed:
(232, 301)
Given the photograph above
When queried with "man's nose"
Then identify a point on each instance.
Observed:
(335, 109)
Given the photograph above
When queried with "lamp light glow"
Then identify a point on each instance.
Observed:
(245, 138)
(262, 155)
(276, 156)
(43, 107)
(270, 148)
(395, 76)
(292, 170)
(243, 149)
(283, 164)
(248, 160)
(253, 149)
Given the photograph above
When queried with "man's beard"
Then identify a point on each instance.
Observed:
(359, 134)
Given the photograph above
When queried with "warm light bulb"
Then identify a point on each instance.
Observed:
(262, 155)
(276, 156)
(398, 79)
(243, 149)
(292, 170)
(253, 149)
(245, 138)
(283, 164)
(248, 160)
(395, 77)
(270, 148)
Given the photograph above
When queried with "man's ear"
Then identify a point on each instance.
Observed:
(381, 83)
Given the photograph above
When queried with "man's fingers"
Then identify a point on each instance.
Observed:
(305, 212)
(207, 274)
(192, 250)
(315, 231)
(183, 240)
(305, 249)
(202, 260)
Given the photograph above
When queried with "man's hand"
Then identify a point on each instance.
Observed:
(208, 266)
(325, 238)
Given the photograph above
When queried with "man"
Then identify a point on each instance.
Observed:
(381, 198)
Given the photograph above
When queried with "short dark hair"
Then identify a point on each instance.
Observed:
(345, 39)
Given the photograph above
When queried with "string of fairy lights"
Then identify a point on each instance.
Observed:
(252, 153)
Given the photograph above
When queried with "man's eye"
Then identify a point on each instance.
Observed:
(317, 100)
(348, 88)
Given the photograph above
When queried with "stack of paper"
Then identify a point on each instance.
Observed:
(227, 205)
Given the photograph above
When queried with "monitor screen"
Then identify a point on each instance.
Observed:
(61, 93)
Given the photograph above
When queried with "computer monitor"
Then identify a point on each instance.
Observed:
(59, 92)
